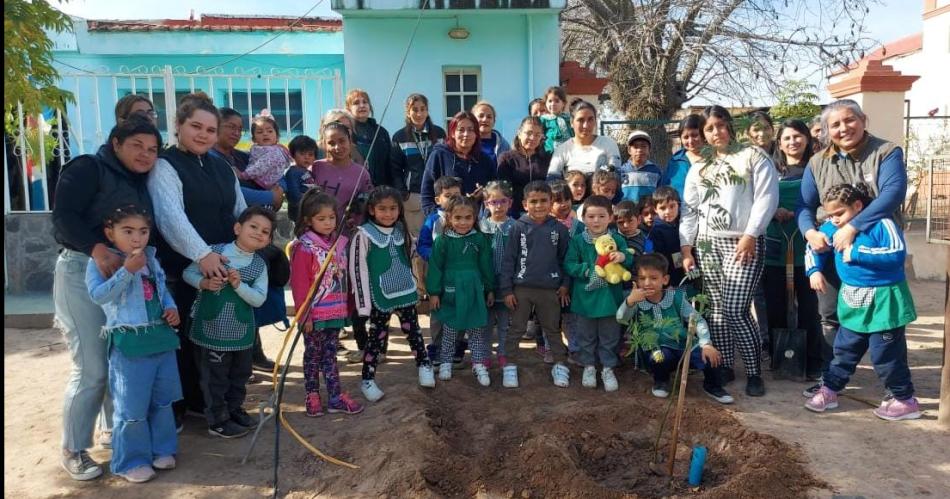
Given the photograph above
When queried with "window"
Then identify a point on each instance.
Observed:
(462, 87)
(278, 109)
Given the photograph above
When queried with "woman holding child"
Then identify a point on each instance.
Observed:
(727, 231)
(197, 201)
(90, 189)
(853, 157)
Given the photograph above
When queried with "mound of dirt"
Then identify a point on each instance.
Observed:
(461, 440)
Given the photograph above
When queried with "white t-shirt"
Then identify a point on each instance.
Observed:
(600, 155)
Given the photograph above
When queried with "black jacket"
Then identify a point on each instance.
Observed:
(377, 160)
(90, 188)
(410, 151)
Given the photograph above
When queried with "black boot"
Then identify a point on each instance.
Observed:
(754, 386)
(260, 361)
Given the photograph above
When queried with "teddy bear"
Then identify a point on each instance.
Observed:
(611, 272)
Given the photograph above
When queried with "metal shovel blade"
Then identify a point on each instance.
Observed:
(789, 355)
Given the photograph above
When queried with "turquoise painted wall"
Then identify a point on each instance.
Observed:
(498, 44)
(189, 52)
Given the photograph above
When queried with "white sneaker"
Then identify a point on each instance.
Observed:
(370, 390)
(589, 380)
(164, 463)
(610, 380)
(481, 373)
(426, 377)
(509, 376)
(445, 371)
(139, 474)
(561, 375)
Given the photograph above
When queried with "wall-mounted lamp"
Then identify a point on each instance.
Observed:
(458, 32)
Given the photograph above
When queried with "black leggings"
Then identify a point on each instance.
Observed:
(379, 334)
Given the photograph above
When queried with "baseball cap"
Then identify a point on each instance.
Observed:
(638, 134)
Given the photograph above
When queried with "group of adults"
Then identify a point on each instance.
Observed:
(195, 197)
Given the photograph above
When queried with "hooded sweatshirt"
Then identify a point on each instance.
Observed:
(377, 160)
(477, 169)
(411, 149)
(534, 255)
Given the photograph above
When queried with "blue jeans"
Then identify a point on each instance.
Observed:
(499, 319)
(143, 390)
(888, 355)
(81, 321)
(671, 357)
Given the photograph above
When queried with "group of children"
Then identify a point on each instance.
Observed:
(492, 270)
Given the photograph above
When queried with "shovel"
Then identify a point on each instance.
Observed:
(788, 354)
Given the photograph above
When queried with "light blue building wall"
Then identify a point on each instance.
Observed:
(301, 72)
(514, 54)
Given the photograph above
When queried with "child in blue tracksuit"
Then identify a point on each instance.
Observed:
(445, 188)
(143, 372)
(873, 307)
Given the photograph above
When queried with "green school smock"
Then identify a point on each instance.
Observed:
(592, 296)
(461, 272)
(776, 234)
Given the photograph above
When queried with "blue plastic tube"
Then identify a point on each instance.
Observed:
(696, 465)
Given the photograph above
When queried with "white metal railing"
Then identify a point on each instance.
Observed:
(85, 123)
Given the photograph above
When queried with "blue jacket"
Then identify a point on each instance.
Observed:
(122, 296)
(638, 182)
(427, 234)
(877, 256)
(676, 170)
(476, 170)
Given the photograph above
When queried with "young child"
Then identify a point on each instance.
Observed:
(383, 284)
(268, 158)
(664, 235)
(593, 300)
(652, 299)
(874, 305)
(563, 211)
(604, 183)
(577, 182)
(627, 219)
(316, 231)
(461, 283)
(557, 123)
(497, 227)
(143, 372)
(303, 150)
(223, 325)
(639, 176)
(445, 188)
(338, 175)
(645, 208)
(533, 278)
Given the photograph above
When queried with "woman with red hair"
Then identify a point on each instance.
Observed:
(460, 156)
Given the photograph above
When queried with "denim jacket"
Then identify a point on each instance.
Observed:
(122, 296)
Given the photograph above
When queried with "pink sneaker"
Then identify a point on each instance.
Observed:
(825, 399)
(313, 405)
(344, 404)
(896, 410)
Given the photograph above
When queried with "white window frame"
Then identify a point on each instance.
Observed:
(461, 71)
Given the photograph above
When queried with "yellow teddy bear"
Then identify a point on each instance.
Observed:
(611, 272)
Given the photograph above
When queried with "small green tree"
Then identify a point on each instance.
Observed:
(29, 74)
(796, 101)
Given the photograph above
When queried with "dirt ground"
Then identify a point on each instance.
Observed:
(462, 440)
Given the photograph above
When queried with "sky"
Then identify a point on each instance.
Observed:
(887, 21)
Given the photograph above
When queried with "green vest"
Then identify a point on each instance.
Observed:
(591, 296)
(222, 320)
(778, 234)
(830, 167)
(391, 282)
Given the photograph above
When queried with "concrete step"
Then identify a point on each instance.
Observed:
(28, 311)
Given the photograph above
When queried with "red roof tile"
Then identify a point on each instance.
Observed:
(219, 22)
(578, 80)
(902, 46)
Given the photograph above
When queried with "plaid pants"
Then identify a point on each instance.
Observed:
(476, 343)
(730, 286)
